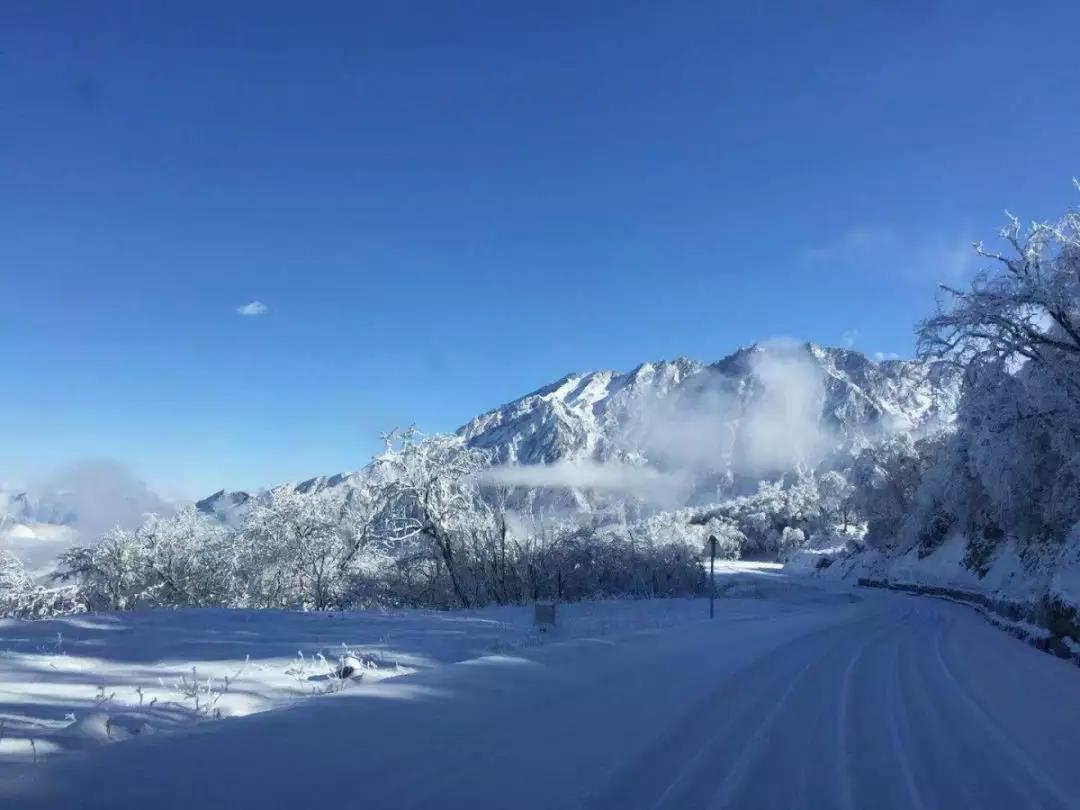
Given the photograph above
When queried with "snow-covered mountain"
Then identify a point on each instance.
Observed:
(608, 415)
(20, 507)
(34, 530)
(756, 412)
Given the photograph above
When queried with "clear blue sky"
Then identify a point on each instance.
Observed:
(446, 205)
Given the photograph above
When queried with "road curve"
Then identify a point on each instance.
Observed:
(877, 700)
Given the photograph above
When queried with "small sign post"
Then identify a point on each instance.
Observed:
(544, 616)
(712, 575)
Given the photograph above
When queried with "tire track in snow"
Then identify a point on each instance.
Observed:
(994, 731)
(720, 770)
(728, 794)
(846, 796)
(897, 723)
(679, 757)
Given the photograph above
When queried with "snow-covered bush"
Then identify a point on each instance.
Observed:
(21, 597)
(13, 576)
(110, 575)
(791, 540)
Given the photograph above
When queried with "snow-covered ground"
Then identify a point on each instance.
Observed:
(85, 680)
(1010, 572)
(799, 694)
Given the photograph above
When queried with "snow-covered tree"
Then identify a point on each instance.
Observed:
(187, 559)
(1011, 469)
(13, 576)
(1027, 307)
(294, 545)
(791, 540)
(834, 494)
(885, 479)
(111, 574)
(433, 495)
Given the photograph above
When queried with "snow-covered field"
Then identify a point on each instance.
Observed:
(86, 680)
(802, 693)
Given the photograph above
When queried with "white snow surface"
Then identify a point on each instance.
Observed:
(55, 674)
(800, 693)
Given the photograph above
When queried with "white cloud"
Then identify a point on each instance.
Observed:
(254, 309)
(883, 356)
(711, 427)
(937, 257)
(849, 337)
(638, 480)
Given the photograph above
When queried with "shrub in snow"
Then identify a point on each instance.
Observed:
(21, 598)
(203, 694)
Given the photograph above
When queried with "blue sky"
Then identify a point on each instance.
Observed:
(444, 206)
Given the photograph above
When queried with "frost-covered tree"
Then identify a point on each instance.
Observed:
(187, 559)
(791, 540)
(1012, 467)
(1025, 307)
(184, 559)
(432, 491)
(13, 576)
(21, 597)
(111, 574)
(294, 545)
(885, 478)
(834, 493)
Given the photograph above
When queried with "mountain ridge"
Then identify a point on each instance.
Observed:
(649, 415)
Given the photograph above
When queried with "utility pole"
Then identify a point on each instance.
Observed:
(712, 576)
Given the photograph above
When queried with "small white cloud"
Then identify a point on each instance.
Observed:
(849, 337)
(883, 356)
(252, 310)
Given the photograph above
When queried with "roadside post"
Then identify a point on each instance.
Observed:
(544, 616)
(712, 575)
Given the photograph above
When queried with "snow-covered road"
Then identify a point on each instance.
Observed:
(866, 700)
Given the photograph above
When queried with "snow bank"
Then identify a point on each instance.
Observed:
(1032, 592)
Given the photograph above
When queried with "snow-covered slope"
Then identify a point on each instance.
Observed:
(579, 416)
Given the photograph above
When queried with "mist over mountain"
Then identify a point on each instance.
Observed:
(665, 434)
(75, 503)
(676, 432)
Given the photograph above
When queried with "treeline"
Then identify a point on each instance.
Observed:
(420, 532)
